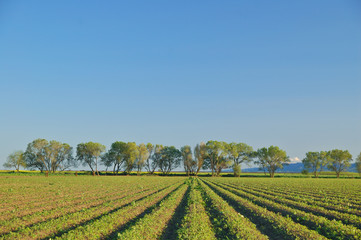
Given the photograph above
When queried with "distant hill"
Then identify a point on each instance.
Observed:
(294, 168)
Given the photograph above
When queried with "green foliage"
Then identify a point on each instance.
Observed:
(217, 157)
(237, 170)
(316, 161)
(115, 156)
(304, 172)
(154, 158)
(143, 155)
(170, 158)
(15, 160)
(188, 162)
(272, 158)
(358, 163)
(130, 156)
(239, 152)
(89, 153)
(49, 156)
(200, 155)
(339, 160)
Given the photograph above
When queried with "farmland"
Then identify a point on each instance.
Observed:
(145, 207)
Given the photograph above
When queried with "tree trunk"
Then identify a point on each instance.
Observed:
(138, 172)
(96, 166)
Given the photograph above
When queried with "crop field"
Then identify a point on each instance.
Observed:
(144, 207)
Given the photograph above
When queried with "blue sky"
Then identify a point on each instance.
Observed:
(180, 72)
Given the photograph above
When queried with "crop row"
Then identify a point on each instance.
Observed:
(331, 229)
(346, 208)
(112, 222)
(227, 220)
(273, 224)
(195, 224)
(43, 217)
(176, 208)
(333, 191)
(47, 207)
(314, 209)
(153, 224)
(82, 217)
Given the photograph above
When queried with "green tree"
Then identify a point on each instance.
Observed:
(89, 153)
(35, 155)
(217, 158)
(339, 161)
(239, 153)
(170, 159)
(130, 156)
(237, 170)
(270, 159)
(154, 158)
(148, 162)
(143, 155)
(200, 154)
(188, 162)
(115, 156)
(49, 156)
(316, 162)
(15, 160)
(358, 163)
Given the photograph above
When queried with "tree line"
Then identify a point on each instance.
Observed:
(52, 156)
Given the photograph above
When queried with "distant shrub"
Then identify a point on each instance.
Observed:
(304, 172)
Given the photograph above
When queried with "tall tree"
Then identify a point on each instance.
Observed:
(216, 157)
(61, 156)
(130, 156)
(36, 156)
(358, 163)
(170, 159)
(115, 156)
(339, 161)
(15, 160)
(188, 162)
(148, 162)
(200, 154)
(316, 162)
(89, 153)
(239, 153)
(154, 158)
(143, 155)
(49, 156)
(272, 158)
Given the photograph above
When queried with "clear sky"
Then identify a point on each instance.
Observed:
(285, 73)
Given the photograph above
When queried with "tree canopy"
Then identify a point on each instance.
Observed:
(15, 160)
(358, 163)
(215, 156)
(239, 153)
(89, 153)
(270, 159)
(188, 162)
(339, 160)
(316, 161)
(170, 158)
(49, 156)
